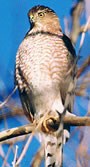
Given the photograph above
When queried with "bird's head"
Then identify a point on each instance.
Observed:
(43, 18)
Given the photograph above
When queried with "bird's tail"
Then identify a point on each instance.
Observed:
(54, 140)
(54, 148)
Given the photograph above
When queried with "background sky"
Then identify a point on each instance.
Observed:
(13, 27)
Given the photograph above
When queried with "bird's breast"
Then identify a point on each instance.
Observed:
(43, 60)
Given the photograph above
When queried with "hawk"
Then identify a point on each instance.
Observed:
(43, 74)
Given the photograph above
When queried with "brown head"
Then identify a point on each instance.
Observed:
(43, 18)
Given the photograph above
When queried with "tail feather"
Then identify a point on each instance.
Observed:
(50, 150)
(54, 142)
(54, 148)
(59, 150)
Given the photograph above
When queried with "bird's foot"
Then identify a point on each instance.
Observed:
(69, 114)
(51, 123)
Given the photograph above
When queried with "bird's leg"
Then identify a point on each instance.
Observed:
(53, 127)
(59, 148)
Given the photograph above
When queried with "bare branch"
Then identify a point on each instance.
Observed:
(38, 157)
(8, 98)
(15, 111)
(15, 156)
(24, 150)
(7, 155)
(24, 130)
(83, 67)
(77, 121)
(82, 28)
(76, 13)
(83, 34)
(14, 132)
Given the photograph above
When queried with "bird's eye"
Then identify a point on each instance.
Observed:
(40, 14)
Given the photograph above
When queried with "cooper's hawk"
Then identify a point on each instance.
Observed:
(43, 73)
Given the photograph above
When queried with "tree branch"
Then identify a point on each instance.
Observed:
(75, 14)
(23, 130)
(77, 121)
(83, 67)
(82, 28)
(18, 131)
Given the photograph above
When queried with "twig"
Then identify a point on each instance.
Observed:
(36, 128)
(8, 98)
(2, 155)
(7, 155)
(83, 67)
(14, 112)
(83, 34)
(15, 157)
(38, 157)
(82, 85)
(82, 154)
(16, 139)
(82, 39)
(24, 150)
(82, 28)
(75, 14)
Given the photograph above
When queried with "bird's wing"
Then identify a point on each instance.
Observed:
(71, 77)
(24, 90)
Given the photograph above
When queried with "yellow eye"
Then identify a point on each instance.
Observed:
(40, 14)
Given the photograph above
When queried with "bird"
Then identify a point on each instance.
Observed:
(45, 67)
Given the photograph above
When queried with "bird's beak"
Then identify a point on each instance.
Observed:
(32, 18)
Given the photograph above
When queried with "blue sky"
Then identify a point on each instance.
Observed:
(13, 27)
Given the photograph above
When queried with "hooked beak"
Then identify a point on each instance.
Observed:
(32, 18)
(32, 21)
